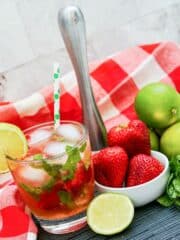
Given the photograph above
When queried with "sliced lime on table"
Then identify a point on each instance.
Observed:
(12, 143)
(110, 213)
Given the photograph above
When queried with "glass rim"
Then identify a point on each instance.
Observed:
(55, 157)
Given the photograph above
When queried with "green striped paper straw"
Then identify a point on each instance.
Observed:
(56, 83)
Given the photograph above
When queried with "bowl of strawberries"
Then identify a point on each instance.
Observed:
(128, 166)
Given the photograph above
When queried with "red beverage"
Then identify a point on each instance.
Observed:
(56, 178)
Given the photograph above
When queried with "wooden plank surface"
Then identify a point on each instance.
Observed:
(151, 222)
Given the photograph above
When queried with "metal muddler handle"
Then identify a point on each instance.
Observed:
(72, 27)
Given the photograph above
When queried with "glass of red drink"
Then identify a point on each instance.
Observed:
(55, 178)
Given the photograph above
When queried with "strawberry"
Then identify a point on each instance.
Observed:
(81, 177)
(110, 166)
(50, 199)
(143, 168)
(134, 138)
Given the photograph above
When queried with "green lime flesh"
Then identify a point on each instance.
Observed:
(110, 213)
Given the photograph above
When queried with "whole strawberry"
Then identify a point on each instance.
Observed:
(110, 166)
(134, 138)
(143, 168)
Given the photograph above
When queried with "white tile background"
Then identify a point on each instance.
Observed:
(30, 40)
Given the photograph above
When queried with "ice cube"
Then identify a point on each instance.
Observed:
(32, 176)
(69, 132)
(39, 135)
(55, 148)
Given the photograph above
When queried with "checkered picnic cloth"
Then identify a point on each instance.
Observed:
(115, 81)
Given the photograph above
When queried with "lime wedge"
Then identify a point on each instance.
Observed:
(12, 143)
(3, 162)
(110, 213)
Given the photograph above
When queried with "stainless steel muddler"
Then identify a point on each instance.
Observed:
(72, 26)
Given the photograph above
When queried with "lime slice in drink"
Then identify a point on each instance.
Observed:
(3, 162)
(110, 213)
(12, 143)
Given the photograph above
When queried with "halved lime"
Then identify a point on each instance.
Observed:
(12, 143)
(110, 213)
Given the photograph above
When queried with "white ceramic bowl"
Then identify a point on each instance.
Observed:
(147, 192)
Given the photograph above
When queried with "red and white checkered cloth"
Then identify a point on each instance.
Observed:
(115, 81)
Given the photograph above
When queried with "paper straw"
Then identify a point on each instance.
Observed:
(56, 83)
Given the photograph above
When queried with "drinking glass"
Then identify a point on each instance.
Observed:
(55, 178)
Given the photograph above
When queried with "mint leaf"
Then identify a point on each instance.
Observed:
(71, 163)
(69, 149)
(66, 171)
(33, 191)
(171, 177)
(175, 165)
(177, 202)
(36, 191)
(38, 156)
(83, 147)
(65, 198)
(170, 189)
(47, 186)
(52, 169)
(165, 201)
(172, 192)
(37, 163)
(176, 185)
(172, 195)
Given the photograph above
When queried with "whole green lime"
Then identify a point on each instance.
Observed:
(157, 104)
(154, 140)
(170, 142)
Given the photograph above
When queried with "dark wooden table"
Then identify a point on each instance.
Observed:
(151, 222)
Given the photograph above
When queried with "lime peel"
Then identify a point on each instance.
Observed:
(3, 163)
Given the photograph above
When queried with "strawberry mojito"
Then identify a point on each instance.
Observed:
(55, 178)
